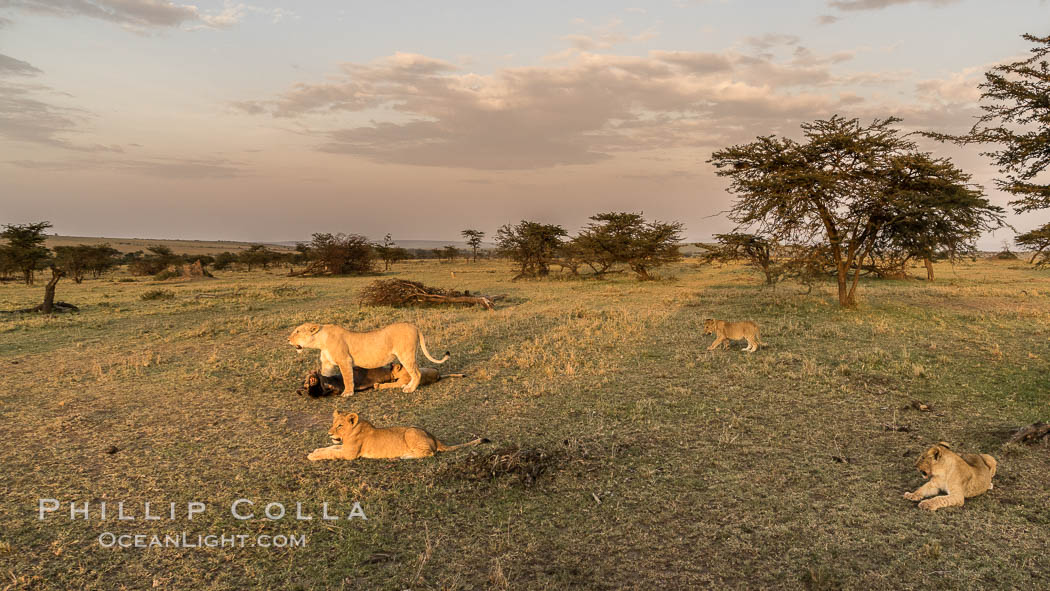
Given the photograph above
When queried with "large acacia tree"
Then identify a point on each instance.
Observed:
(841, 188)
(1015, 98)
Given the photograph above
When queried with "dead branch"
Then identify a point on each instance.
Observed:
(1031, 434)
(401, 292)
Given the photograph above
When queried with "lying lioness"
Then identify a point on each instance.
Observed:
(961, 476)
(732, 331)
(355, 437)
(428, 375)
(345, 349)
(316, 384)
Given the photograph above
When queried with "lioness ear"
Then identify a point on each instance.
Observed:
(936, 453)
(335, 414)
(944, 444)
(313, 328)
(352, 418)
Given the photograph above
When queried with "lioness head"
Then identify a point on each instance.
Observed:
(343, 426)
(396, 371)
(931, 459)
(709, 326)
(303, 336)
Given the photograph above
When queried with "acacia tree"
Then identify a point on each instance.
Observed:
(1038, 241)
(842, 187)
(474, 238)
(389, 252)
(73, 260)
(756, 250)
(531, 245)
(449, 252)
(1015, 99)
(935, 213)
(1016, 105)
(338, 254)
(627, 238)
(257, 255)
(25, 249)
(159, 258)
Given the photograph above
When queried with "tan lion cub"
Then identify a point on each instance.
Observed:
(961, 476)
(355, 437)
(733, 331)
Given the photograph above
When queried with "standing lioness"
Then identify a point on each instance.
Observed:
(345, 349)
(733, 331)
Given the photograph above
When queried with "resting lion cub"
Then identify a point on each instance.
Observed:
(369, 350)
(355, 437)
(400, 377)
(733, 331)
(961, 476)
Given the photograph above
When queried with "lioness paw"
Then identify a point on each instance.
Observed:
(314, 455)
(930, 505)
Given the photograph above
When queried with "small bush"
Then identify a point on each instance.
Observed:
(166, 274)
(158, 294)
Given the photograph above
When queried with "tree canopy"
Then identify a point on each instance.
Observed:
(532, 245)
(850, 187)
(25, 250)
(1015, 99)
(627, 238)
(473, 238)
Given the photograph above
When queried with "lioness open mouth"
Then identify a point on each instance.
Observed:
(337, 440)
(298, 348)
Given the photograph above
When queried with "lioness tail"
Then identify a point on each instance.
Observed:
(443, 447)
(423, 345)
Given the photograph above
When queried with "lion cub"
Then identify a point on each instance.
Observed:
(733, 331)
(355, 437)
(961, 476)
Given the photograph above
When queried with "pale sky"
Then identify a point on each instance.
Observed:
(267, 121)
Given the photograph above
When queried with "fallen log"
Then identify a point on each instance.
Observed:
(401, 292)
(1031, 434)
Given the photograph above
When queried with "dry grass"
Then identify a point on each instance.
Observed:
(623, 454)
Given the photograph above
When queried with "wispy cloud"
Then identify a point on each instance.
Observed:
(28, 114)
(135, 14)
(11, 66)
(581, 110)
(165, 168)
(880, 4)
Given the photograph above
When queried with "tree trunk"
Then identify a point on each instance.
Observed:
(929, 268)
(49, 291)
(845, 297)
(27, 274)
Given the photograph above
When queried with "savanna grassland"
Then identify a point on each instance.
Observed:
(623, 454)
